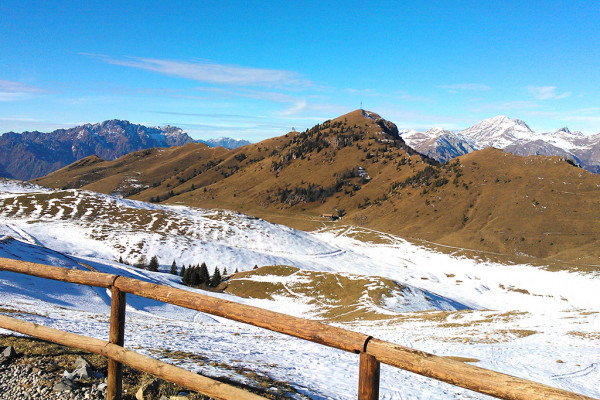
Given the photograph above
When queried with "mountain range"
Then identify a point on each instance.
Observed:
(30, 155)
(511, 135)
(429, 253)
(359, 168)
(228, 143)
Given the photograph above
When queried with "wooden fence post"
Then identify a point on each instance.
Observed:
(117, 336)
(368, 377)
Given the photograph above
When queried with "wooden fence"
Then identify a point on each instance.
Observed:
(371, 351)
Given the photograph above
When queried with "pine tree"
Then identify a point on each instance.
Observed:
(182, 272)
(236, 270)
(187, 276)
(225, 271)
(120, 259)
(204, 277)
(173, 270)
(153, 266)
(216, 278)
(195, 276)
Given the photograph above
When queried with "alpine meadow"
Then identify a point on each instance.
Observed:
(313, 201)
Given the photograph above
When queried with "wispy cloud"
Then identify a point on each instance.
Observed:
(588, 118)
(546, 93)
(421, 120)
(473, 87)
(250, 130)
(302, 107)
(20, 119)
(210, 72)
(584, 118)
(296, 106)
(508, 105)
(268, 96)
(14, 91)
(22, 123)
(209, 115)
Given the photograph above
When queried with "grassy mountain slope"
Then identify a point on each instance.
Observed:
(133, 173)
(536, 205)
(312, 172)
(357, 166)
(334, 296)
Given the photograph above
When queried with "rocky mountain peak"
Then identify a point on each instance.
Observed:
(522, 123)
(387, 126)
(498, 119)
(564, 131)
(502, 122)
(435, 132)
(33, 154)
(228, 143)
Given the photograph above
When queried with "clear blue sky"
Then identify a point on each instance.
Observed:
(255, 69)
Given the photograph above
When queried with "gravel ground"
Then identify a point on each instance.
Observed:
(36, 367)
(32, 381)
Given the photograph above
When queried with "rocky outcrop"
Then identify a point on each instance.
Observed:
(30, 155)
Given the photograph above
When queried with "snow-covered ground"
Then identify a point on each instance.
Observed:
(517, 319)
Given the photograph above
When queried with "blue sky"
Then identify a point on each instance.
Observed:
(256, 69)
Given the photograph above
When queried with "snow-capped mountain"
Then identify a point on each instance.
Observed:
(437, 143)
(228, 143)
(497, 132)
(511, 135)
(565, 131)
(30, 155)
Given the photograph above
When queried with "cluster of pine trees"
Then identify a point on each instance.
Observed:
(193, 275)
(197, 275)
(143, 264)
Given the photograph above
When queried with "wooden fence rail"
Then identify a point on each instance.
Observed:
(372, 351)
(120, 355)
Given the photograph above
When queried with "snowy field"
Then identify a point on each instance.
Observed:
(517, 319)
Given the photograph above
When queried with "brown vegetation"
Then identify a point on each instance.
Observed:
(356, 167)
(333, 297)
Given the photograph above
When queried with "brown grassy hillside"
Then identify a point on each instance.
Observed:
(488, 200)
(332, 297)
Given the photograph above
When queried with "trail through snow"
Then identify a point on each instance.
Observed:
(518, 319)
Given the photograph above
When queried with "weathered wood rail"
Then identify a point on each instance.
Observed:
(372, 351)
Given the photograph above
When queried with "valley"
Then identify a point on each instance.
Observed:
(519, 319)
(359, 168)
(372, 200)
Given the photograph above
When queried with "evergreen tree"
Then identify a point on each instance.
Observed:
(204, 277)
(153, 266)
(182, 272)
(195, 276)
(187, 275)
(236, 270)
(173, 270)
(216, 278)
(225, 271)
(120, 259)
